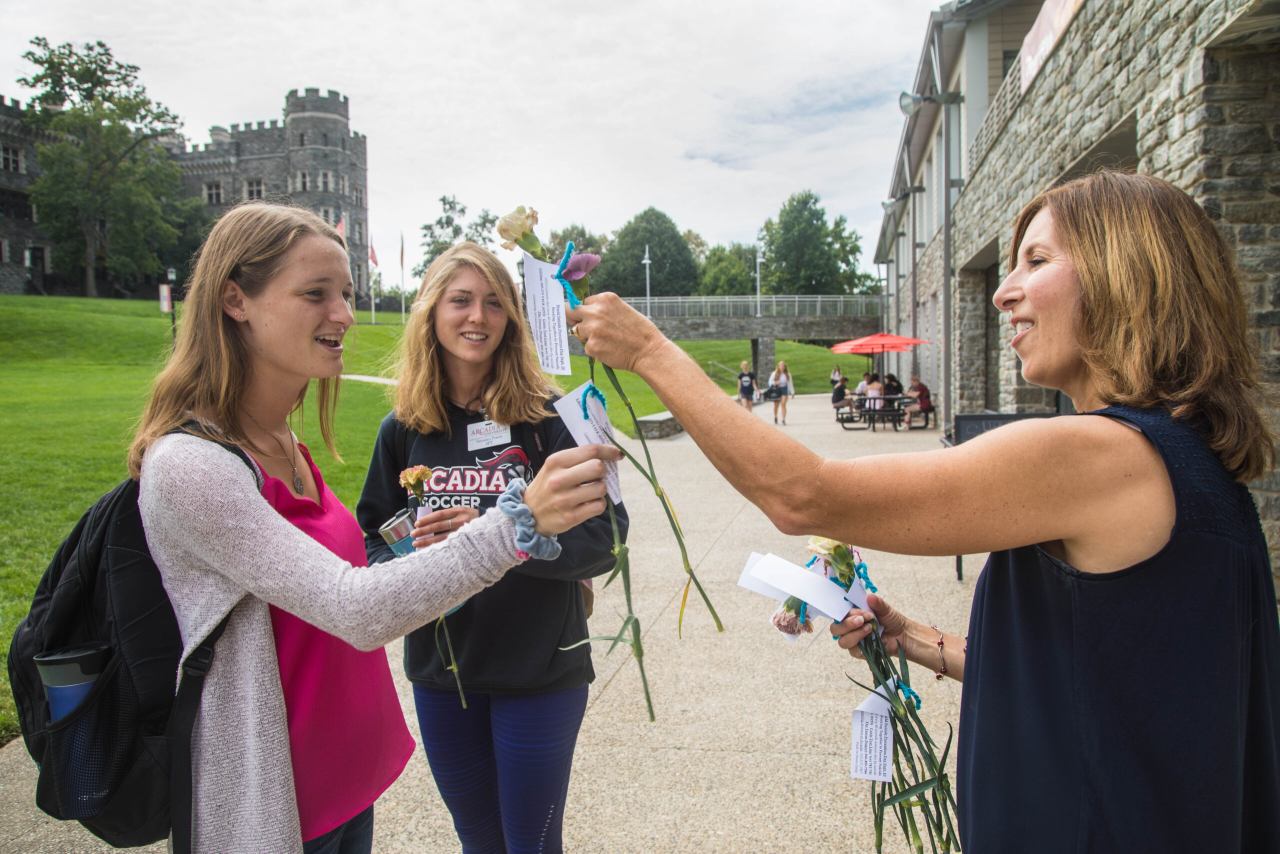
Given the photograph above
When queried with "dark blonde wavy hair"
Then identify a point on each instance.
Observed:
(206, 375)
(1163, 319)
(516, 392)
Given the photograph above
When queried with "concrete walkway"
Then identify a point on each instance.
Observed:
(750, 752)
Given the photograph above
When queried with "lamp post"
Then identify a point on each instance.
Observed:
(172, 275)
(759, 261)
(646, 262)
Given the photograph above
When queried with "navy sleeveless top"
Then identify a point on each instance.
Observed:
(1130, 711)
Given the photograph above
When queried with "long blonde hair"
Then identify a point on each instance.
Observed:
(206, 375)
(1163, 319)
(516, 392)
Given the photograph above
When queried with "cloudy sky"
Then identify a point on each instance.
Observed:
(712, 111)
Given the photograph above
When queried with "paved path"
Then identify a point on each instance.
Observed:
(750, 752)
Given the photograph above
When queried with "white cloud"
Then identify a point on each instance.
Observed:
(714, 111)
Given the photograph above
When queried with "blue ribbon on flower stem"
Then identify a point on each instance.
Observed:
(860, 570)
(591, 391)
(574, 302)
(909, 693)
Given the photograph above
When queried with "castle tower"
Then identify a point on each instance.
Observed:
(327, 170)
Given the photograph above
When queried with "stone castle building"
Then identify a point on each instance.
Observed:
(310, 157)
(1013, 96)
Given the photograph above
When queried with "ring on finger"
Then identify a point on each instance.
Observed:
(573, 330)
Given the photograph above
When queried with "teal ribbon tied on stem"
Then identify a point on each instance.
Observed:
(574, 302)
(909, 693)
(860, 569)
(588, 392)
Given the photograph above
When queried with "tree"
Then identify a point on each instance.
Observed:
(805, 255)
(583, 241)
(697, 245)
(451, 227)
(105, 185)
(726, 271)
(673, 271)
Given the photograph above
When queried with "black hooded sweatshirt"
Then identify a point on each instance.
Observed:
(508, 638)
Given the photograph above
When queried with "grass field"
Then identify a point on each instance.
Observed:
(74, 374)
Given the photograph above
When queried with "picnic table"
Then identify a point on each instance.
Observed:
(868, 412)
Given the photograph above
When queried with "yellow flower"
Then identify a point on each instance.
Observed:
(516, 225)
(824, 545)
(414, 479)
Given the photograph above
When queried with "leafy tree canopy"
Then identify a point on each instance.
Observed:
(583, 241)
(805, 255)
(108, 195)
(672, 271)
(451, 227)
(728, 271)
(697, 245)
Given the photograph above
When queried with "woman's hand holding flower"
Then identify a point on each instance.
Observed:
(855, 628)
(614, 332)
(434, 527)
(569, 489)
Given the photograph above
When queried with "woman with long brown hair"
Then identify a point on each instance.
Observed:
(473, 405)
(299, 729)
(1122, 664)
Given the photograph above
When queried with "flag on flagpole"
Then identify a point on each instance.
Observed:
(402, 250)
(373, 256)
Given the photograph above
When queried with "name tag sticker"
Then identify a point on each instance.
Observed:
(486, 434)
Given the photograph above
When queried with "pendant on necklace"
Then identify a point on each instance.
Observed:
(297, 483)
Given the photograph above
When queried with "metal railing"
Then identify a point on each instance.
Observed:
(819, 305)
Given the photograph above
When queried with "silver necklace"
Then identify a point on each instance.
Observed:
(284, 455)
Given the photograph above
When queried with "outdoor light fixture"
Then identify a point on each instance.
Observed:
(911, 103)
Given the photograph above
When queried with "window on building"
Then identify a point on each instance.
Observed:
(326, 214)
(11, 159)
(325, 185)
(253, 188)
(213, 193)
(301, 183)
(359, 232)
(4, 251)
(345, 185)
(360, 197)
(324, 139)
(302, 139)
(1007, 58)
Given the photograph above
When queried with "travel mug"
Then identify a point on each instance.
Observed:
(398, 532)
(68, 676)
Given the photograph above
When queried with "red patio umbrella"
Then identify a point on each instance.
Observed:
(881, 342)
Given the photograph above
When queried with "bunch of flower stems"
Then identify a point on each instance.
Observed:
(920, 795)
(629, 632)
(516, 229)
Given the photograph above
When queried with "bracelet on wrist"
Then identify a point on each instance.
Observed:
(942, 656)
(529, 543)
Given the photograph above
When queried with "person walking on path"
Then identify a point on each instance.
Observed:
(1085, 664)
(781, 389)
(473, 405)
(746, 386)
(299, 729)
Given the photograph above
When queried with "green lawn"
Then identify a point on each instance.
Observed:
(74, 374)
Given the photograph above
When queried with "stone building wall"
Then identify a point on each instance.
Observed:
(314, 140)
(19, 232)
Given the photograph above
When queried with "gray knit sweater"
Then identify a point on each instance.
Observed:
(222, 548)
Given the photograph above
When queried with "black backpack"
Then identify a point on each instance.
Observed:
(120, 763)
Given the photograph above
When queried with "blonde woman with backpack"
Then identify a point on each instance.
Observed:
(299, 729)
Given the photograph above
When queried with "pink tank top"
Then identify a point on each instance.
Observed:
(347, 733)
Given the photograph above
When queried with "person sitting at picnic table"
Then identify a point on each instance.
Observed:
(1121, 670)
(874, 391)
(921, 402)
(840, 398)
(860, 390)
(892, 386)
